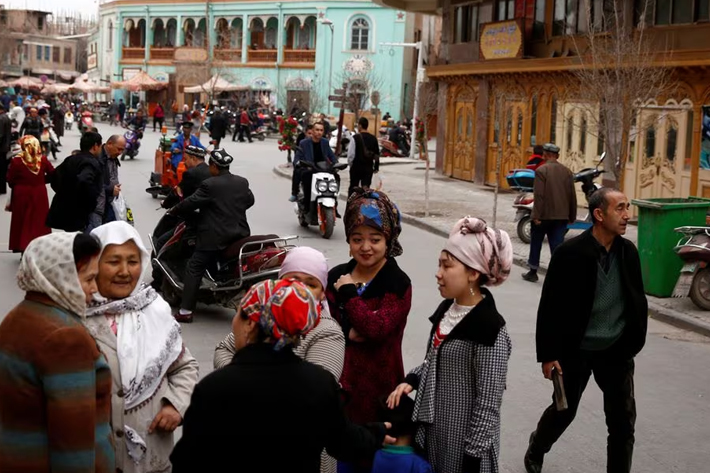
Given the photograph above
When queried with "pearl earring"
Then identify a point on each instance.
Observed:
(470, 289)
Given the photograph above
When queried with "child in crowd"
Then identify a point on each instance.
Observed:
(400, 457)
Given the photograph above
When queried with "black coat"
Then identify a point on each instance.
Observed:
(268, 411)
(218, 127)
(568, 297)
(192, 179)
(77, 184)
(5, 135)
(223, 202)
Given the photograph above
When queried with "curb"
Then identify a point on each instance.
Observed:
(656, 311)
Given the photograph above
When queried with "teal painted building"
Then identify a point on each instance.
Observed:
(279, 53)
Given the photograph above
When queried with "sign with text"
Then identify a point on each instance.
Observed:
(92, 61)
(502, 40)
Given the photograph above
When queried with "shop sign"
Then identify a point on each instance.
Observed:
(502, 40)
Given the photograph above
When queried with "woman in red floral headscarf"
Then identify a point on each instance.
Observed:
(27, 176)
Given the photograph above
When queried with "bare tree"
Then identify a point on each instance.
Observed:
(360, 89)
(304, 92)
(620, 69)
(428, 107)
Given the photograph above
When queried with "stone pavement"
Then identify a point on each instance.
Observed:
(451, 199)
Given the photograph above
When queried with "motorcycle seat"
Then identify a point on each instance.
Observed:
(234, 249)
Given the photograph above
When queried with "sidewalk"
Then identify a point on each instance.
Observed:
(451, 199)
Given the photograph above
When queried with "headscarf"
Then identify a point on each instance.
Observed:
(31, 153)
(376, 210)
(306, 260)
(148, 337)
(285, 310)
(487, 250)
(48, 267)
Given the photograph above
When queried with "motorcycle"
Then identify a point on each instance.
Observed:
(694, 279)
(87, 122)
(388, 149)
(133, 142)
(244, 263)
(324, 194)
(522, 180)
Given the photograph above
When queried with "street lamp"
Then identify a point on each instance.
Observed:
(329, 23)
(420, 79)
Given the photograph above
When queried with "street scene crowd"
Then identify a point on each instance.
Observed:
(95, 374)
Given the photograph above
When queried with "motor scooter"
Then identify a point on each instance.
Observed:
(346, 137)
(324, 194)
(244, 263)
(133, 142)
(87, 121)
(694, 279)
(522, 180)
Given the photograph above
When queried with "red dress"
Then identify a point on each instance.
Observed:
(29, 202)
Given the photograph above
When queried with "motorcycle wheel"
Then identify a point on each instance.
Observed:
(328, 223)
(261, 137)
(302, 220)
(123, 156)
(169, 293)
(524, 229)
(700, 289)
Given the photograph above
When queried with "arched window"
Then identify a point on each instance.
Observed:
(110, 35)
(360, 35)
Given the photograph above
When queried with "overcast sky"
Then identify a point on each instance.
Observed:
(85, 7)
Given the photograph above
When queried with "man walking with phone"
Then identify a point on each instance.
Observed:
(592, 319)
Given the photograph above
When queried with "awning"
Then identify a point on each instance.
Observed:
(216, 84)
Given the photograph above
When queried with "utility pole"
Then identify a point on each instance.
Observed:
(417, 87)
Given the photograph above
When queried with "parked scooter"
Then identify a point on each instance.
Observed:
(133, 142)
(522, 180)
(694, 279)
(324, 194)
(244, 263)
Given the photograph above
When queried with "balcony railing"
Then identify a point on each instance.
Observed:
(162, 54)
(262, 55)
(300, 55)
(234, 55)
(133, 53)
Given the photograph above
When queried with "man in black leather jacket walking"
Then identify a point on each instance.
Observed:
(223, 201)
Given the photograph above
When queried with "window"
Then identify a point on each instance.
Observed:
(47, 52)
(466, 21)
(570, 132)
(650, 148)
(110, 36)
(670, 12)
(539, 24)
(533, 122)
(39, 53)
(577, 16)
(600, 135)
(55, 55)
(671, 142)
(553, 120)
(40, 22)
(3, 17)
(67, 56)
(505, 10)
(688, 141)
(360, 35)
(583, 135)
(25, 51)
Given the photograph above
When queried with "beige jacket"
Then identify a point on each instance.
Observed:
(555, 197)
(176, 389)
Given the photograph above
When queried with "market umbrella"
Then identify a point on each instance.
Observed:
(88, 87)
(3, 84)
(57, 88)
(27, 82)
(215, 85)
(139, 82)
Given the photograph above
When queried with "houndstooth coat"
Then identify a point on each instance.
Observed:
(460, 390)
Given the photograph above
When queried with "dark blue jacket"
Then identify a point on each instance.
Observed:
(306, 151)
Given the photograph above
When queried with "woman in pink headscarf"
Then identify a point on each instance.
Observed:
(461, 382)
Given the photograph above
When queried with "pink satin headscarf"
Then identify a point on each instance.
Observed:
(488, 251)
(304, 259)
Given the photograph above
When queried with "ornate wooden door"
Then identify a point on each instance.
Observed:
(511, 142)
(461, 140)
(661, 154)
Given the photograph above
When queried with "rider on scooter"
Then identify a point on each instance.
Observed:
(398, 136)
(140, 122)
(314, 150)
(223, 201)
(182, 142)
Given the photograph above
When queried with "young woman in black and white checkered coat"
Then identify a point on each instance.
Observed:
(461, 382)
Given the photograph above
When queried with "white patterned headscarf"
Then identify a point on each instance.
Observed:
(48, 267)
(148, 338)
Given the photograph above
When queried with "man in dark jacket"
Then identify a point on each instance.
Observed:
(593, 323)
(555, 206)
(364, 157)
(121, 111)
(223, 201)
(5, 141)
(77, 184)
(218, 127)
(109, 162)
(32, 125)
(315, 150)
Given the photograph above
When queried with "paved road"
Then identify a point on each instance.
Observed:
(673, 379)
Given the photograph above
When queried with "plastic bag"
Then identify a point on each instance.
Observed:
(378, 181)
(121, 209)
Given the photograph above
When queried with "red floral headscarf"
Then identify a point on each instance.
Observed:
(285, 310)
(31, 153)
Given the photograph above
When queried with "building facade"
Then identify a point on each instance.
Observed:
(668, 151)
(279, 53)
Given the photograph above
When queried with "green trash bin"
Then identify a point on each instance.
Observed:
(658, 218)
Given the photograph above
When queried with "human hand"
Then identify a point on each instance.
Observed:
(167, 419)
(389, 440)
(401, 390)
(549, 366)
(116, 190)
(344, 280)
(178, 191)
(537, 222)
(353, 336)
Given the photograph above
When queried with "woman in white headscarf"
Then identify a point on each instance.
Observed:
(153, 372)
